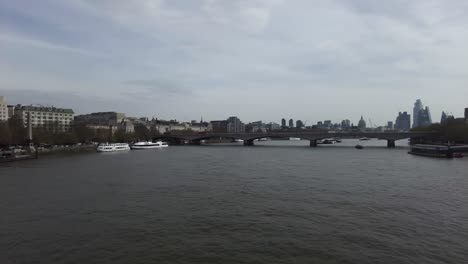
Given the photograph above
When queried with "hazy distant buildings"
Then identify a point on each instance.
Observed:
(299, 124)
(390, 125)
(3, 109)
(291, 123)
(362, 124)
(424, 117)
(346, 124)
(283, 123)
(47, 117)
(418, 106)
(443, 118)
(403, 122)
(234, 125)
(101, 118)
(255, 127)
(273, 126)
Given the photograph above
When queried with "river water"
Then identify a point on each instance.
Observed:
(277, 202)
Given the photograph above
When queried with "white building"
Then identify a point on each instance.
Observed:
(3, 109)
(45, 116)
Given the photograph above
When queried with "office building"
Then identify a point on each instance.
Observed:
(283, 123)
(3, 109)
(418, 106)
(443, 118)
(299, 124)
(291, 123)
(466, 114)
(390, 125)
(256, 127)
(273, 126)
(218, 126)
(424, 117)
(403, 122)
(47, 117)
(234, 125)
(345, 124)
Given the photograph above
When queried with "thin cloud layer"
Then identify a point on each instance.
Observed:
(258, 59)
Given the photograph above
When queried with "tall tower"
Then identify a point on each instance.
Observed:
(418, 106)
(283, 123)
(291, 122)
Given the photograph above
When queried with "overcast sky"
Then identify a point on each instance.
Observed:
(256, 59)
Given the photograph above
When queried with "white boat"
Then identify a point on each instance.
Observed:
(327, 141)
(112, 147)
(294, 138)
(149, 145)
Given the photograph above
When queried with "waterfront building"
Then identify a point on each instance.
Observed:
(218, 126)
(443, 118)
(101, 118)
(291, 123)
(234, 125)
(273, 126)
(127, 126)
(418, 106)
(327, 124)
(403, 122)
(466, 114)
(299, 124)
(3, 109)
(256, 127)
(283, 123)
(362, 124)
(47, 117)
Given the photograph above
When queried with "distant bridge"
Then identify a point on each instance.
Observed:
(313, 137)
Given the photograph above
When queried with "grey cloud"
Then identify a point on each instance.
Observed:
(159, 86)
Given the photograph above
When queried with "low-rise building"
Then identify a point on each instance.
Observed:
(47, 117)
(255, 127)
(273, 126)
(3, 109)
(218, 126)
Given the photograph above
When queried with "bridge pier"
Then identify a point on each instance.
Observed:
(248, 142)
(390, 143)
(313, 143)
(194, 142)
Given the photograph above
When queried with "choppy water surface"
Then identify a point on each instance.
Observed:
(277, 202)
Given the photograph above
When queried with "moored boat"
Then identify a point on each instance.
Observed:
(112, 147)
(359, 147)
(436, 151)
(149, 145)
(364, 138)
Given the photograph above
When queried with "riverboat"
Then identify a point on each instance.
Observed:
(436, 151)
(327, 141)
(149, 145)
(112, 147)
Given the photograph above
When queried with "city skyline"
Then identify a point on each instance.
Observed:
(149, 58)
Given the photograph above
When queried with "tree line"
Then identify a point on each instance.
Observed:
(455, 130)
(13, 132)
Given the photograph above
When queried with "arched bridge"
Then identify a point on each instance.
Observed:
(313, 137)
